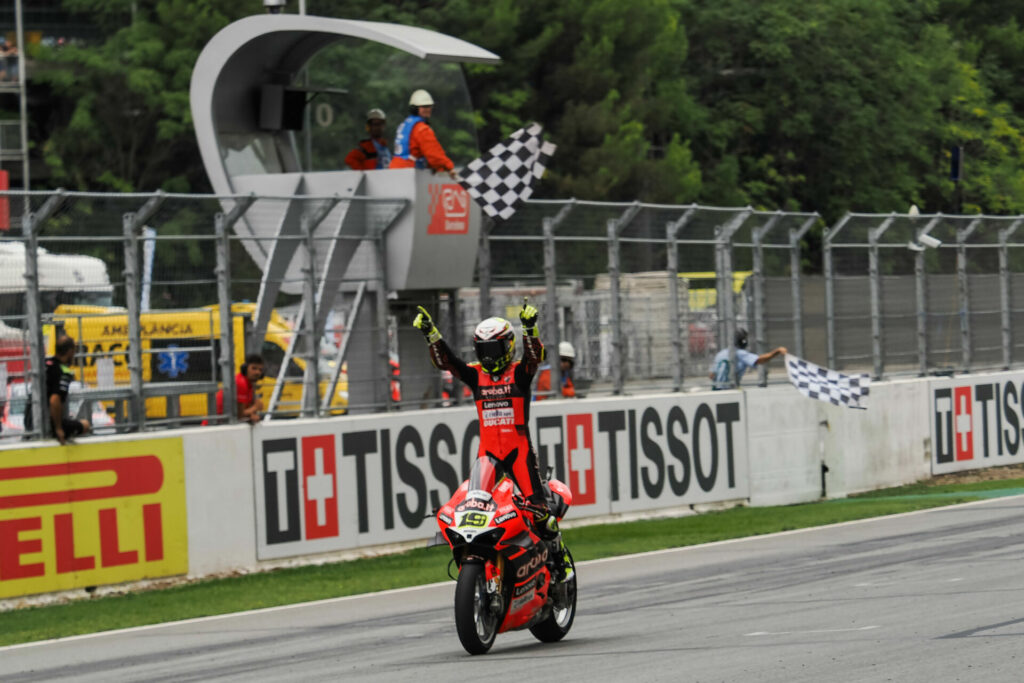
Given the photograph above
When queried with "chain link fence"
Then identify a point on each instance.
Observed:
(646, 294)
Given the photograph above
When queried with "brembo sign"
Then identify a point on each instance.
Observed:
(977, 421)
(331, 485)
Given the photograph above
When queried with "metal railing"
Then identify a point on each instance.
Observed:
(647, 294)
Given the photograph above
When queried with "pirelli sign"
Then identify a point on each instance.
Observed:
(91, 514)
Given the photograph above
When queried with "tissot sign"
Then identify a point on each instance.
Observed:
(977, 421)
(344, 483)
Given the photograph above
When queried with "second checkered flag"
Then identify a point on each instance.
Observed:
(504, 176)
(827, 385)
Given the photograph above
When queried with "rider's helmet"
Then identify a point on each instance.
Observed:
(494, 341)
(741, 338)
(421, 98)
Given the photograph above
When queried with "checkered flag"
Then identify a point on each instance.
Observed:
(827, 385)
(504, 176)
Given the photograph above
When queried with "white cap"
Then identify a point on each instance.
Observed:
(421, 98)
(376, 114)
(565, 350)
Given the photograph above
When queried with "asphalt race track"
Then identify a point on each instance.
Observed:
(930, 596)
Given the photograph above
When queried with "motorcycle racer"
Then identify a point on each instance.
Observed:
(501, 390)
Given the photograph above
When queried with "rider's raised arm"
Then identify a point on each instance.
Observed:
(441, 355)
(443, 358)
(533, 349)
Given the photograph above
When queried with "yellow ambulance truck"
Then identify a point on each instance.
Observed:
(184, 346)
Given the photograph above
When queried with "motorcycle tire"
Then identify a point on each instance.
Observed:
(476, 624)
(558, 623)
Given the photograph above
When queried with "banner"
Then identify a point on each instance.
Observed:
(323, 487)
(91, 514)
(977, 422)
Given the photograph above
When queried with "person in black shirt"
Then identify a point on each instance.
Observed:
(58, 378)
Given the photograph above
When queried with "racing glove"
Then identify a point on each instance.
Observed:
(425, 324)
(528, 317)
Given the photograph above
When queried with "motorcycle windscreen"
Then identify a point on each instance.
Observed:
(485, 473)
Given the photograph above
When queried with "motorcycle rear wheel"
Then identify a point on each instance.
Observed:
(476, 623)
(558, 623)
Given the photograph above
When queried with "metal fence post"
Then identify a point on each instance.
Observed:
(551, 309)
(672, 230)
(549, 224)
(795, 288)
(310, 379)
(1005, 299)
(454, 332)
(616, 313)
(921, 299)
(830, 294)
(226, 359)
(381, 292)
(615, 227)
(963, 289)
(36, 378)
(875, 285)
(724, 286)
(133, 223)
(484, 268)
(760, 301)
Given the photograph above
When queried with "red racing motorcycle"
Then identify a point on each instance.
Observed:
(509, 578)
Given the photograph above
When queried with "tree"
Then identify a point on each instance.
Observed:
(124, 122)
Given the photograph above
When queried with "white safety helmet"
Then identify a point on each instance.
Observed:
(565, 350)
(376, 114)
(421, 98)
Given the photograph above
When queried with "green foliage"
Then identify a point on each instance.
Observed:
(831, 106)
(125, 104)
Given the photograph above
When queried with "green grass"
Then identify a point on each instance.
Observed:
(428, 565)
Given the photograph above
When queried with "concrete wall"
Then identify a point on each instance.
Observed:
(291, 491)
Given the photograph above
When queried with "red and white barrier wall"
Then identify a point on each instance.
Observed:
(200, 501)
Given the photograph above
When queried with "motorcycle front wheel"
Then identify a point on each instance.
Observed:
(475, 620)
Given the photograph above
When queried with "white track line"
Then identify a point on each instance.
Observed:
(395, 591)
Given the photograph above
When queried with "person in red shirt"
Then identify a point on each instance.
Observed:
(250, 406)
(416, 146)
(372, 153)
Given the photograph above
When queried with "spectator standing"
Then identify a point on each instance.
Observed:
(372, 153)
(416, 145)
(250, 407)
(566, 360)
(721, 369)
(58, 378)
(8, 61)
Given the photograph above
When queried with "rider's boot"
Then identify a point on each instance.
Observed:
(562, 563)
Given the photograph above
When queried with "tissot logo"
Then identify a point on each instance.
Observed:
(977, 421)
(282, 489)
(954, 426)
(581, 458)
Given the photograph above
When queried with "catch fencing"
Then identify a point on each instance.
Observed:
(647, 294)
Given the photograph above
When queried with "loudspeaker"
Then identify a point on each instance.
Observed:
(281, 108)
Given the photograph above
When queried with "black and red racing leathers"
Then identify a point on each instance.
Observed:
(503, 408)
